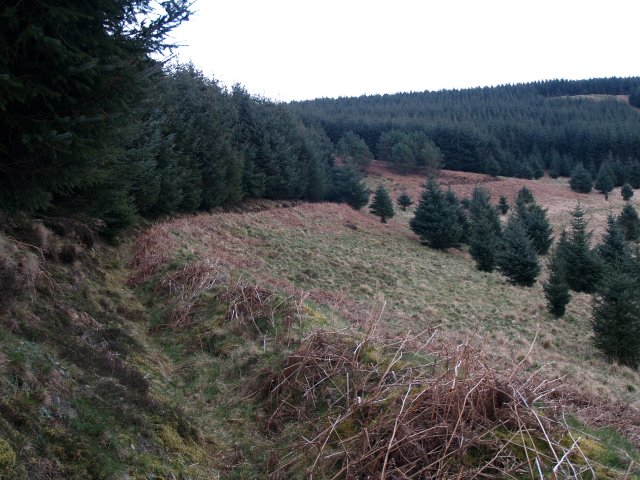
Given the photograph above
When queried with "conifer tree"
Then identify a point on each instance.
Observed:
(404, 201)
(524, 197)
(436, 220)
(632, 168)
(616, 318)
(460, 212)
(503, 205)
(485, 230)
(354, 150)
(554, 167)
(629, 223)
(604, 182)
(381, 205)
(535, 221)
(348, 188)
(581, 180)
(627, 192)
(72, 73)
(613, 250)
(517, 258)
(556, 290)
(582, 267)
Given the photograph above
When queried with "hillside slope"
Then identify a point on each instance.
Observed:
(287, 341)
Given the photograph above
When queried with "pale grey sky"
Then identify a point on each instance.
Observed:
(302, 49)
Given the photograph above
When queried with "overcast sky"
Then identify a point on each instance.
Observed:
(302, 49)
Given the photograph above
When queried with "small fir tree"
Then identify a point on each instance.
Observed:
(581, 180)
(348, 188)
(632, 168)
(485, 230)
(404, 201)
(460, 213)
(627, 192)
(613, 250)
(535, 220)
(381, 205)
(436, 220)
(629, 223)
(538, 228)
(524, 197)
(556, 290)
(616, 318)
(582, 266)
(604, 179)
(503, 205)
(517, 258)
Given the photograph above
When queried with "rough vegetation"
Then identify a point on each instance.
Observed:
(277, 342)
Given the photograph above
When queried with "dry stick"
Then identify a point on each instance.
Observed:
(575, 443)
(588, 464)
(539, 469)
(445, 454)
(383, 475)
(495, 457)
(541, 425)
(527, 355)
(522, 427)
(396, 358)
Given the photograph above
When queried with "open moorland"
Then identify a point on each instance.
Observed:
(291, 339)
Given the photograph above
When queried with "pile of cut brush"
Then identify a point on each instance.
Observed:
(398, 412)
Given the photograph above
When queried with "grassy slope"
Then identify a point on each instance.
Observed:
(78, 396)
(350, 261)
(171, 387)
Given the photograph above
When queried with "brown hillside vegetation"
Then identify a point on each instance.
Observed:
(364, 382)
(297, 340)
(553, 194)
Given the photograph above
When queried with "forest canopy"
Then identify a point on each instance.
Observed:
(512, 130)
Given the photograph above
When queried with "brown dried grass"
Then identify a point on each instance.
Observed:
(374, 415)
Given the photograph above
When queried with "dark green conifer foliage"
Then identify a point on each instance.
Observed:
(534, 218)
(581, 180)
(349, 188)
(554, 166)
(627, 192)
(538, 227)
(436, 220)
(629, 223)
(461, 214)
(565, 166)
(616, 318)
(404, 201)
(604, 182)
(524, 197)
(583, 268)
(354, 150)
(556, 290)
(619, 172)
(485, 230)
(492, 167)
(633, 173)
(503, 205)
(72, 73)
(382, 205)
(517, 258)
(613, 250)
(315, 155)
(402, 156)
(634, 96)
